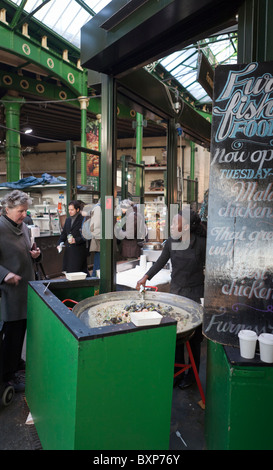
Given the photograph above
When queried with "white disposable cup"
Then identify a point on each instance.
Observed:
(143, 262)
(266, 347)
(247, 340)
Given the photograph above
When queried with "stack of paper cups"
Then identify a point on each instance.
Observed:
(143, 262)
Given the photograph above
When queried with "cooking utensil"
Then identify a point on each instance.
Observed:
(186, 312)
(152, 246)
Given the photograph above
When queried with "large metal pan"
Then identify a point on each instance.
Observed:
(187, 313)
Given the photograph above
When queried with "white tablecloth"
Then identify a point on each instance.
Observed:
(131, 276)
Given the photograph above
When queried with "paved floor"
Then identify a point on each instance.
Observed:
(187, 422)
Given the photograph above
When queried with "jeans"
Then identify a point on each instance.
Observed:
(96, 265)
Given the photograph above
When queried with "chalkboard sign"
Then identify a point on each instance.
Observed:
(239, 263)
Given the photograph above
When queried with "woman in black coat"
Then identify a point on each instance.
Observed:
(75, 255)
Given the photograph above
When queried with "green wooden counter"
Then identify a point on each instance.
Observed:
(101, 388)
(239, 412)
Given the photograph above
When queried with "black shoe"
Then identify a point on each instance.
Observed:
(17, 383)
(186, 382)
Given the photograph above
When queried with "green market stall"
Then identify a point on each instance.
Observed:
(96, 388)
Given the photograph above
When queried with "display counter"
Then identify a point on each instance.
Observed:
(104, 388)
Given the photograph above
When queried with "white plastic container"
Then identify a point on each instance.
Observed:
(247, 340)
(145, 318)
(75, 276)
(266, 347)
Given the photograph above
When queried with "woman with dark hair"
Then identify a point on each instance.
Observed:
(75, 255)
(186, 248)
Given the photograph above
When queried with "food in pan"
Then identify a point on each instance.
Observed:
(110, 313)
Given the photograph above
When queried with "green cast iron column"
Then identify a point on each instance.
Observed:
(108, 120)
(13, 147)
(171, 190)
(192, 171)
(255, 32)
(84, 101)
(139, 135)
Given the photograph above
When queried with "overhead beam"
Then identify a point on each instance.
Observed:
(29, 15)
(18, 14)
(156, 29)
(28, 49)
(86, 7)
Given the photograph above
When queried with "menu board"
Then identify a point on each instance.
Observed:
(239, 262)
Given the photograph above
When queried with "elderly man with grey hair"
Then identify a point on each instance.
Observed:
(16, 269)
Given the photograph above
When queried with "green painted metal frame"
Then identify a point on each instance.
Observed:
(71, 172)
(13, 148)
(125, 168)
(29, 49)
(71, 169)
(108, 170)
(171, 190)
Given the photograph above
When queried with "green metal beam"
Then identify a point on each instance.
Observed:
(29, 15)
(27, 48)
(18, 14)
(86, 7)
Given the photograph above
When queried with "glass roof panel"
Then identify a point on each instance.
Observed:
(65, 17)
(183, 65)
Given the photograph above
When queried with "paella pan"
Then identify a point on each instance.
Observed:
(114, 308)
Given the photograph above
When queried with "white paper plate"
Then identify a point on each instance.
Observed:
(145, 318)
(75, 276)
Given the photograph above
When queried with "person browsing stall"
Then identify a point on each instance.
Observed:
(75, 255)
(16, 270)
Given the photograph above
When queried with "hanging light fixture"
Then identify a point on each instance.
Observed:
(27, 130)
